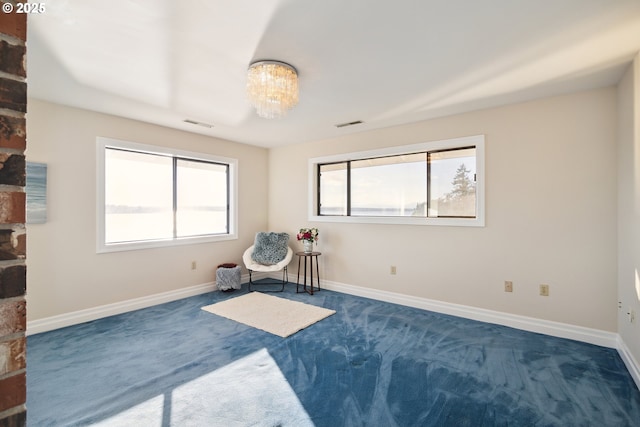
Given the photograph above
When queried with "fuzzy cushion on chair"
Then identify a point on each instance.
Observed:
(270, 248)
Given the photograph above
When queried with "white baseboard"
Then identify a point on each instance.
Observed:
(547, 327)
(557, 329)
(94, 313)
(632, 364)
(531, 324)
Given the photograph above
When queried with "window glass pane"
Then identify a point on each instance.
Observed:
(452, 185)
(389, 186)
(430, 183)
(202, 198)
(138, 196)
(333, 189)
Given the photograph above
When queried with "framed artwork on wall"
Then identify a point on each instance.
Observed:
(36, 190)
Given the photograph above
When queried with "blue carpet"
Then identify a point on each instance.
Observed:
(370, 364)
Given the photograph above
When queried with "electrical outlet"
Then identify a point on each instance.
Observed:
(194, 265)
(544, 290)
(508, 286)
(632, 315)
(392, 270)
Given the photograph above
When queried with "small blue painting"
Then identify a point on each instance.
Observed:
(36, 193)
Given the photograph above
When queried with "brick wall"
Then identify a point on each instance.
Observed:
(13, 311)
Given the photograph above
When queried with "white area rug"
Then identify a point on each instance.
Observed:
(278, 316)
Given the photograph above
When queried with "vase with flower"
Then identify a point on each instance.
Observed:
(308, 236)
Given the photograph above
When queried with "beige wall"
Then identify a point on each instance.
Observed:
(550, 214)
(64, 272)
(629, 207)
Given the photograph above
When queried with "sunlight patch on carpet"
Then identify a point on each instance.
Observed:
(251, 391)
(278, 316)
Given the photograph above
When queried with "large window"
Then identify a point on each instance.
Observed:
(151, 196)
(432, 183)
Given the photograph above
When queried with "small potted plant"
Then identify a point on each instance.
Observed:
(308, 236)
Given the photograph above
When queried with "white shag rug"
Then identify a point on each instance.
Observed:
(278, 316)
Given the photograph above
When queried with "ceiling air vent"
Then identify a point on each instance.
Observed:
(342, 125)
(193, 122)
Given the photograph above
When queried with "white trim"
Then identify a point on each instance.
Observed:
(476, 140)
(631, 363)
(557, 329)
(102, 143)
(547, 327)
(94, 313)
(531, 324)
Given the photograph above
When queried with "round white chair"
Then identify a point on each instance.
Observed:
(254, 266)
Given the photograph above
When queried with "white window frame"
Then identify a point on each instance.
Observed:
(103, 143)
(446, 144)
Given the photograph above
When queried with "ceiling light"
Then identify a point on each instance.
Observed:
(272, 88)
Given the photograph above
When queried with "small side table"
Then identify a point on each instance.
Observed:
(308, 256)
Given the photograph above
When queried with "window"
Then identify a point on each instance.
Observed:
(152, 196)
(436, 183)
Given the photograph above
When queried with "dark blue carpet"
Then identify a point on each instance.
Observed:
(370, 364)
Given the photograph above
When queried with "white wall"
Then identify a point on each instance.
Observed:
(551, 207)
(64, 273)
(629, 207)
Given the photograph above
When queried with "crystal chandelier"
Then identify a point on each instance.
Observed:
(272, 88)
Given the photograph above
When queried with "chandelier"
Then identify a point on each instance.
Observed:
(272, 88)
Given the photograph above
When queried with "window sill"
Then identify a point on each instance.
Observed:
(451, 222)
(151, 244)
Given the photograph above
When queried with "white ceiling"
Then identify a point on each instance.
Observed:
(380, 61)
